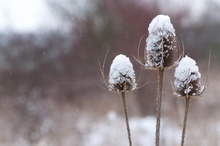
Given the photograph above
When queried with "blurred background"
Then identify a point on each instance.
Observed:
(52, 92)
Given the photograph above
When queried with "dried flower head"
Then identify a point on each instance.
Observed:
(187, 78)
(121, 75)
(161, 44)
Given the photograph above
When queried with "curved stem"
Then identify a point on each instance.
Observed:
(185, 118)
(126, 117)
(159, 101)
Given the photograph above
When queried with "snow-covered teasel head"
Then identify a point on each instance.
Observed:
(187, 78)
(161, 44)
(122, 75)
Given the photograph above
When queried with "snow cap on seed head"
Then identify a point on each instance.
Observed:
(187, 78)
(161, 44)
(121, 75)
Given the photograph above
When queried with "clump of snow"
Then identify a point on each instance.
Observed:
(185, 67)
(187, 77)
(161, 42)
(159, 23)
(121, 75)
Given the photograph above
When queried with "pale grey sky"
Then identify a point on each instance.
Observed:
(29, 15)
(25, 15)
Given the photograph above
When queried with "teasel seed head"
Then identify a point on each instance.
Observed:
(161, 45)
(122, 75)
(187, 78)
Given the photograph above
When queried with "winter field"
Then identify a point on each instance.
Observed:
(52, 91)
(96, 119)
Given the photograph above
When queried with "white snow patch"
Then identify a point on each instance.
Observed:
(161, 22)
(143, 130)
(185, 67)
(113, 131)
(120, 67)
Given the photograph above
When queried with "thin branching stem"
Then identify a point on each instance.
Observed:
(126, 117)
(187, 100)
(159, 101)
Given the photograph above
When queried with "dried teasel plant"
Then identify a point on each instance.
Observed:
(121, 75)
(187, 85)
(161, 52)
(162, 49)
(187, 78)
(122, 80)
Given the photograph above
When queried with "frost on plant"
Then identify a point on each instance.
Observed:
(121, 75)
(187, 78)
(161, 44)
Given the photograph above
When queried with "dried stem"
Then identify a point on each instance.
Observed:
(126, 117)
(159, 101)
(187, 100)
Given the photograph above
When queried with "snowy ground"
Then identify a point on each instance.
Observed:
(109, 130)
(34, 121)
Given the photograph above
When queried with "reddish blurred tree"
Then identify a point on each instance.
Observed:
(115, 25)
